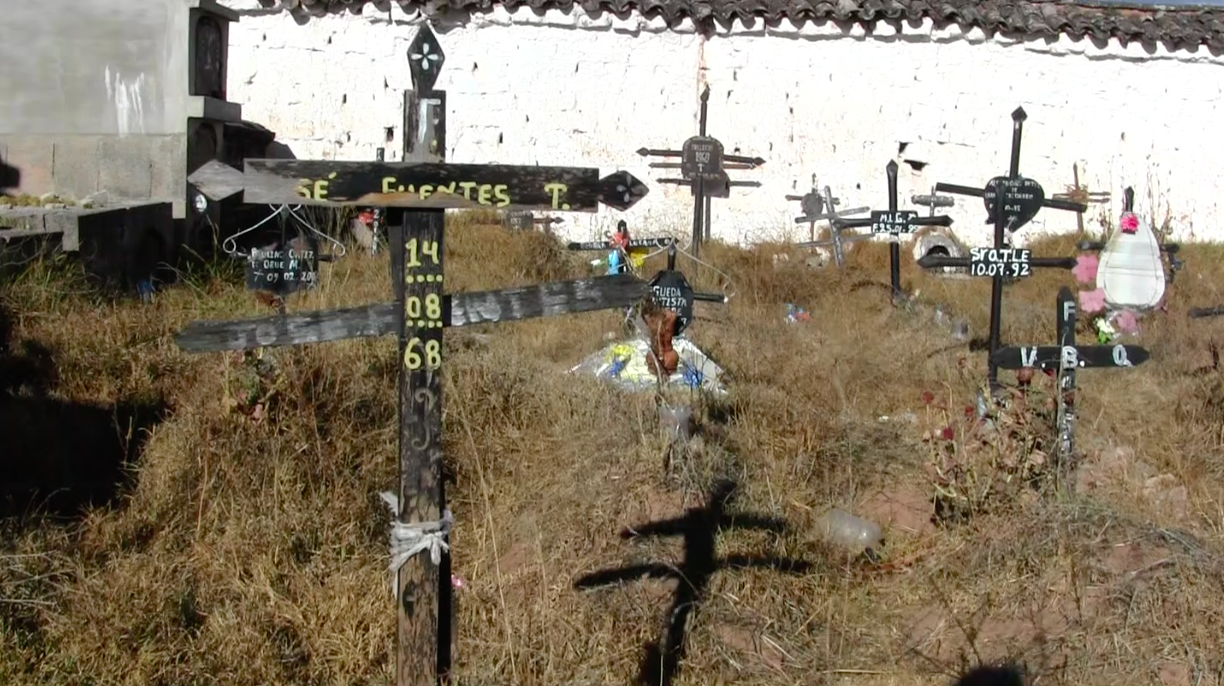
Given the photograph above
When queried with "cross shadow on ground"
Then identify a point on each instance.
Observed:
(699, 528)
(59, 456)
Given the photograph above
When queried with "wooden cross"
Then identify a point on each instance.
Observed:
(1078, 193)
(1169, 249)
(426, 185)
(703, 165)
(1011, 202)
(1066, 358)
(699, 527)
(894, 223)
(817, 207)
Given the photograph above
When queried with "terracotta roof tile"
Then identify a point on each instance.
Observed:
(1178, 26)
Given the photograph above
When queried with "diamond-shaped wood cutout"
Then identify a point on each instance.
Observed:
(425, 59)
(621, 190)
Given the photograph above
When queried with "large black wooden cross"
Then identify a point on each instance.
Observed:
(893, 223)
(1011, 202)
(703, 165)
(817, 206)
(699, 528)
(426, 185)
(1066, 358)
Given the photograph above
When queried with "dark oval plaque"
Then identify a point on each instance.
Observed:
(671, 290)
(701, 156)
(1022, 199)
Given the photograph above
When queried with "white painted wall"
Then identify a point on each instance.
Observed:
(575, 90)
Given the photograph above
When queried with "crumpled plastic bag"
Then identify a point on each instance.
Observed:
(624, 363)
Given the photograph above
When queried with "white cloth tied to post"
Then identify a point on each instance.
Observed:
(408, 540)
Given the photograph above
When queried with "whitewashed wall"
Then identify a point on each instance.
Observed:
(575, 90)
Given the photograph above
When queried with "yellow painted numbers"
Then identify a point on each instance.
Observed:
(431, 359)
(422, 310)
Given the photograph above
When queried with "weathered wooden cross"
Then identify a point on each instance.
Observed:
(817, 206)
(1078, 193)
(1066, 358)
(894, 223)
(1011, 202)
(426, 185)
(703, 165)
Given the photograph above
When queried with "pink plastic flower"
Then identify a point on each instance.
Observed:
(1092, 301)
(1085, 270)
(1126, 322)
(456, 582)
(1129, 223)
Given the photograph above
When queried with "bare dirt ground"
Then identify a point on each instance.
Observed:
(208, 520)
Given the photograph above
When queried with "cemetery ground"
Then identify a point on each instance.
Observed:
(233, 532)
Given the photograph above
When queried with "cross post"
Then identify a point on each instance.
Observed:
(1011, 202)
(894, 223)
(1066, 358)
(817, 207)
(703, 167)
(425, 185)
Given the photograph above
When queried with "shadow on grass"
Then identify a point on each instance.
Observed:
(61, 456)
(699, 527)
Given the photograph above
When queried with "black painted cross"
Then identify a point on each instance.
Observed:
(426, 186)
(703, 165)
(1011, 202)
(1066, 358)
(699, 527)
(894, 223)
(818, 206)
(1169, 249)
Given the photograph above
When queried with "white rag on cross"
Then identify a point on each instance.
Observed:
(407, 540)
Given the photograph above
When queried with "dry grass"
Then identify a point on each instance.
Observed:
(243, 551)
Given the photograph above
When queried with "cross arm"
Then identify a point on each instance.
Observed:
(1052, 203)
(865, 222)
(1087, 356)
(459, 309)
(838, 214)
(935, 261)
(1171, 248)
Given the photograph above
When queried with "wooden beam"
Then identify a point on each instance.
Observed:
(459, 309)
(422, 185)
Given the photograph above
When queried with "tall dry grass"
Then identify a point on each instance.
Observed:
(245, 549)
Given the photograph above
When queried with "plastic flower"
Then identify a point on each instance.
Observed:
(1126, 322)
(928, 397)
(947, 434)
(1085, 270)
(1129, 222)
(1092, 301)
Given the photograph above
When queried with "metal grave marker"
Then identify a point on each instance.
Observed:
(1170, 250)
(894, 223)
(819, 206)
(422, 310)
(1011, 201)
(1065, 359)
(525, 220)
(1078, 193)
(703, 167)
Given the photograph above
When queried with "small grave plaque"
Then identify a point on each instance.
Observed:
(1022, 199)
(521, 220)
(282, 270)
(671, 290)
(702, 157)
(1009, 263)
(893, 223)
